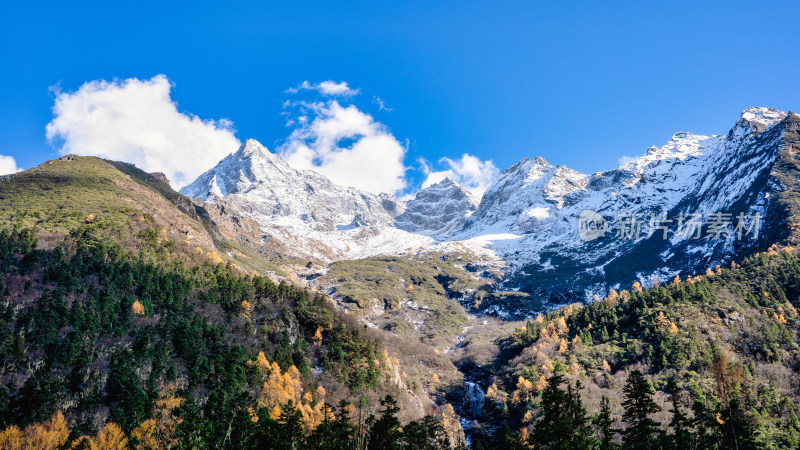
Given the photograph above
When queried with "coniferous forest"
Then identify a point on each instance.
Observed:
(165, 354)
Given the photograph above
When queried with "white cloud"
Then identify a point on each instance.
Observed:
(381, 104)
(470, 171)
(136, 121)
(346, 145)
(8, 165)
(329, 87)
(623, 160)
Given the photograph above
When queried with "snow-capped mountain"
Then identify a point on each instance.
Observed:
(438, 210)
(304, 209)
(529, 217)
(531, 213)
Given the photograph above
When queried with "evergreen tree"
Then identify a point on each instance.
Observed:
(563, 424)
(707, 435)
(604, 425)
(290, 430)
(507, 439)
(335, 432)
(385, 432)
(681, 436)
(425, 434)
(642, 432)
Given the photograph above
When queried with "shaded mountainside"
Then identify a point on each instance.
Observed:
(438, 210)
(750, 171)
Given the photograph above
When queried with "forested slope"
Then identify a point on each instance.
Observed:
(196, 356)
(706, 362)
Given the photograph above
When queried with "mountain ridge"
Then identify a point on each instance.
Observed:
(527, 219)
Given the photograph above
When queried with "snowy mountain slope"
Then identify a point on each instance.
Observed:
(535, 207)
(303, 209)
(438, 210)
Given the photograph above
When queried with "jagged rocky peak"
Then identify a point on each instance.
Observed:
(251, 147)
(438, 210)
(529, 215)
(760, 118)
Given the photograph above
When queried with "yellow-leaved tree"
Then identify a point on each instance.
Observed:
(160, 431)
(279, 388)
(50, 434)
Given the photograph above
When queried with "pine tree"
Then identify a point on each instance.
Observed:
(335, 431)
(425, 434)
(642, 431)
(290, 430)
(563, 424)
(681, 436)
(604, 424)
(385, 433)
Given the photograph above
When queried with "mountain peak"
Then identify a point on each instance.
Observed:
(438, 210)
(526, 164)
(762, 118)
(253, 147)
(446, 182)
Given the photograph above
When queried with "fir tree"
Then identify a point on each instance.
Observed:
(681, 436)
(642, 431)
(385, 433)
(604, 425)
(563, 424)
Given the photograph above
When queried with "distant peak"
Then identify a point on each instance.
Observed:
(446, 182)
(761, 117)
(527, 164)
(681, 135)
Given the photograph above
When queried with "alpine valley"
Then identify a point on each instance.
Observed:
(267, 307)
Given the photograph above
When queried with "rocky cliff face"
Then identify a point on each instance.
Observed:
(438, 210)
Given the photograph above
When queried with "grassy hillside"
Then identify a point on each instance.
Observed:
(408, 295)
(125, 204)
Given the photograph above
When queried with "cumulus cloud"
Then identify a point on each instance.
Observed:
(329, 88)
(470, 171)
(136, 121)
(8, 165)
(346, 145)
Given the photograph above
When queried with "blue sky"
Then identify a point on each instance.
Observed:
(579, 83)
